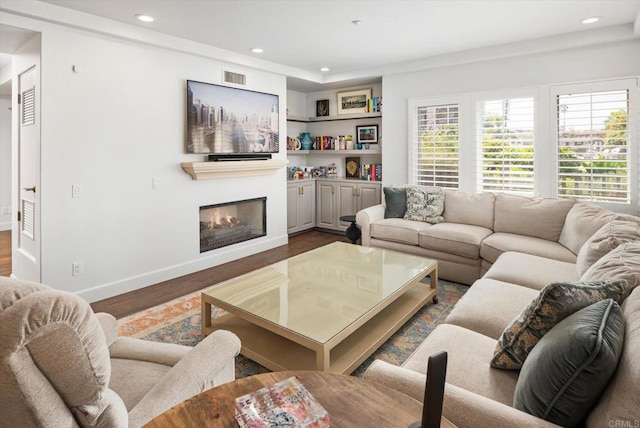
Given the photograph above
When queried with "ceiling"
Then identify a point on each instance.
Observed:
(308, 34)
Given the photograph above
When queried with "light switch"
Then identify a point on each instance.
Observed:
(76, 191)
(155, 183)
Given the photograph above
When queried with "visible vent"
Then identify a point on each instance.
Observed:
(28, 217)
(29, 106)
(235, 78)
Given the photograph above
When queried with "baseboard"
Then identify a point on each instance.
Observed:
(137, 282)
(5, 226)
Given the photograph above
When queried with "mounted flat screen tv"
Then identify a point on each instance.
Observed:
(223, 120)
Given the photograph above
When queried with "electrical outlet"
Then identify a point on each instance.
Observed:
(155, 183)
(76, 268)
(76, 191)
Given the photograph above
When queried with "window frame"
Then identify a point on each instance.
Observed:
(633, 156)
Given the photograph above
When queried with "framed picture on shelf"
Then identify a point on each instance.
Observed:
(352, 167)
(353, 101)
(367, 134)
(322, 108)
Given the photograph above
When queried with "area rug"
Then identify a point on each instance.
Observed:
(178, 321)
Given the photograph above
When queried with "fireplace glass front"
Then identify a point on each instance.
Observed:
(232, 222)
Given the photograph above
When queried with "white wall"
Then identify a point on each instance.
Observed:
(5, 162)
(575, 65)
(112, 127)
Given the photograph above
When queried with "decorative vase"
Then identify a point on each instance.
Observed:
(306, 141)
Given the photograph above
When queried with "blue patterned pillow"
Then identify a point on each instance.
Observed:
(425, 205)
(555, 302)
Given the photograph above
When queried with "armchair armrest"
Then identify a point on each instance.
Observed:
(365, 217)
(210, 363)
(109, 326)
(463, 408)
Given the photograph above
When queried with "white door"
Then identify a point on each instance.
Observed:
(26, 255)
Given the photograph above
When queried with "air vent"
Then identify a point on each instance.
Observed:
(28, 218)
(234, 78)
(29, 107)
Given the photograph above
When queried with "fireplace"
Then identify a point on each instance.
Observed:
(232, 222)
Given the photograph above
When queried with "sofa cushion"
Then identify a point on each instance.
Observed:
(554, 303)
(395, 202)
(582, 221)
(461, 239)
(530, 271)
(397, 230)
(424, 205)
(498, 243)
(489, 306)
(622, 263)
(467, 362)
(469, 208)
(538, 217)
(621, 399)
(569, 368)
(607, 238)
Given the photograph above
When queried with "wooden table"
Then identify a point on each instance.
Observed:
(327, 309)
(350, 401)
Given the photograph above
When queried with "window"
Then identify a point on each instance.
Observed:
(592, 130)
(505, 145)
(435, 144)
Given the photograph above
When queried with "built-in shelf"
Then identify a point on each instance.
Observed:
(334, 152)
(211, 170)
(292, 118)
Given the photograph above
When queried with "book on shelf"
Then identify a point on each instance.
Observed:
(371, 172)
(284, 404)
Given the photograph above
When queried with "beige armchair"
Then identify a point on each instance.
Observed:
(61, 365)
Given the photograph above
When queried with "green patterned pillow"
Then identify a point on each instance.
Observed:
(425, 205)
(555, 302)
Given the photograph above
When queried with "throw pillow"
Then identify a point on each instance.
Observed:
(395, 199)
(569, 368)
(555, 302)
(607, 238)
(622, 263)
(424, 205)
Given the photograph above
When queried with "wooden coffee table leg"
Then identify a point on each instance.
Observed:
(322, 359)
(205, 314)
(433, 276)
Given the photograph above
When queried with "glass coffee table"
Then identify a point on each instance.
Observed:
(327, 309)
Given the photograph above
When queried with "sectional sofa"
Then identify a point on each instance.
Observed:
(533, 263)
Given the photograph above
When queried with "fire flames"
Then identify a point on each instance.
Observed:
(222, 220)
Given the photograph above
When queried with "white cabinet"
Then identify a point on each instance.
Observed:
(301, 209)
(353, 196)
(326, 204)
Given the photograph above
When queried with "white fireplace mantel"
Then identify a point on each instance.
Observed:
(211, 170)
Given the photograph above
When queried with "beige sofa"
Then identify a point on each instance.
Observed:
(512, 247)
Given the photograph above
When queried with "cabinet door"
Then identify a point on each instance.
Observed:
(292, 207)
(347, 203)
(326, 204)
(368, 195)
(307, 206)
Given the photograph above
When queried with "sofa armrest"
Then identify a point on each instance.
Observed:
(129, 348)
(109, 326)
(365, 217)
(209, 364)
(463, 408)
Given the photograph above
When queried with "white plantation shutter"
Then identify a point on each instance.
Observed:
(434, 157)
(593, 146)
(505, 142)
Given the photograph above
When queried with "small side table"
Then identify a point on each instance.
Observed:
(352, 232)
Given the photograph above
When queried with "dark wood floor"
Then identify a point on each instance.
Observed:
(5, 253)
(129, 303)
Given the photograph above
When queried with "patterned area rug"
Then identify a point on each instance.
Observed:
(178, 321)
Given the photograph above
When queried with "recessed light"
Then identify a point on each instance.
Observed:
(590, 20)
(257, 50)
(356, 22)
(325, 69)
(144, 18)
